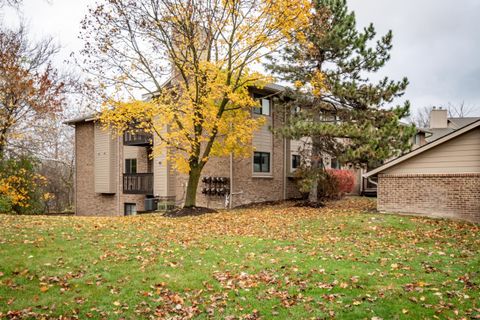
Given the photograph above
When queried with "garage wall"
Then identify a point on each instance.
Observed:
(442, 195)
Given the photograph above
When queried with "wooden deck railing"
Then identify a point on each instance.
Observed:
(137, 139)
(138, 183)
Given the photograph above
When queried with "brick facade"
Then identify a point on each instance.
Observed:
(247, 188)
(87, 201)
(444, 195)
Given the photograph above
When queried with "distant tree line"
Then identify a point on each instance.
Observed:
(36, 158)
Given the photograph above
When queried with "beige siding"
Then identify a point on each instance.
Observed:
(160, 175)
(296, 146)
(105, 156)
(163, 174)
(130, 152)
(171, 180)
(263, 138)
(459, 155)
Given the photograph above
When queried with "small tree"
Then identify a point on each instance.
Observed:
(207, 47)
(342, 112)
(21, 186)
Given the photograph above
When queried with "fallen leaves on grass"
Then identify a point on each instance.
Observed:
(323, 261)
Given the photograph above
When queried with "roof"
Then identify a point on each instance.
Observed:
(462, 122)
(274, 87)
(87, 118)
(424, 148)
(454, 124)
(270, 87)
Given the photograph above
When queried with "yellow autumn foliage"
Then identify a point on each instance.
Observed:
(17, 188)
(205, 109)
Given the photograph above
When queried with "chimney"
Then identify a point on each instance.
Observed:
(438, 118)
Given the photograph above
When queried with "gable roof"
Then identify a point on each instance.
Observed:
(424, 148)
(458, 123)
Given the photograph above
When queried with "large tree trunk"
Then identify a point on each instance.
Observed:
(313, 195)
(191, 194)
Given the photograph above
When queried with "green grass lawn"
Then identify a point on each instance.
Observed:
(341, 261)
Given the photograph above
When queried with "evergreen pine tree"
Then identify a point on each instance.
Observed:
(343, 112)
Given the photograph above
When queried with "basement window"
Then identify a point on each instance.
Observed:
(261, 162)
(130, 209)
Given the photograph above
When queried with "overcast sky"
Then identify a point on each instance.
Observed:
(436, 42)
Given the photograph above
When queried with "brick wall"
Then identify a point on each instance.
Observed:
(246, 187)
(87, 202)
(443, 195)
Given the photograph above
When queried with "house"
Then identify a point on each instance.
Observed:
(118, 176)
(440, 178)
(440, 124)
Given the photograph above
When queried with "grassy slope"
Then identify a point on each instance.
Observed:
(277, 261)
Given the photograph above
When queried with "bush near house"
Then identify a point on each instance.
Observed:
(335, 183)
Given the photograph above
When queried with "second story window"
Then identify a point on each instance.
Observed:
(263, 107)
(130, 165)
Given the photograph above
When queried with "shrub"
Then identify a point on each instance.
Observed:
(21, 186)
(5, 204)
(334, 183)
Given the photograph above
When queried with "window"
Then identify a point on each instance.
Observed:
(295, 161)
(416, 139)
(335, 164)
(261, 162)
(263, 106)
(130, 165)
(130, 209)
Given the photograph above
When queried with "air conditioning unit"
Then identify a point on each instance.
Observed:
(151, 204)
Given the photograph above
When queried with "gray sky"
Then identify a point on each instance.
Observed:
(436, 43)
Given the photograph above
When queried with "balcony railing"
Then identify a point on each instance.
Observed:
(137, 139)
(138, 183)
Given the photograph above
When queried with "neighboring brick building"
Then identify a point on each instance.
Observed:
(441, 178)
(116, 175)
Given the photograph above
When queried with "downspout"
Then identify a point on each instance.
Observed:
(231, 181)
(119, 175)
(76, 167)
(285, 159)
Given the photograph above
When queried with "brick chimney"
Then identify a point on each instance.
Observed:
(438, 118)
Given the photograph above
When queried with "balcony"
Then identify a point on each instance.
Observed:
(139, 139)
(138, 183)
